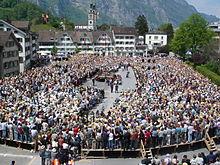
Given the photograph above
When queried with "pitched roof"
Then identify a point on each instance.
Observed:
(12, 26)
(79, 34)
(157, 32)
(124, 30)
(4, 37)
(46, 36)
(21, 24)
(98, 33)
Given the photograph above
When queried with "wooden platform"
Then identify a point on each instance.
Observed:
(120, 153)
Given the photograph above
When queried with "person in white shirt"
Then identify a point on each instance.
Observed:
(193, 160)
(110, 140)
(199, 160)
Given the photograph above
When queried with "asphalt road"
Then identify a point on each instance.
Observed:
(127, 84)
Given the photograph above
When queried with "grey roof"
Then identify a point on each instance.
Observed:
(21, 24)
(157, 32)
(124, 30)
(98, 33)
(52, 36)
(12, 26)
(4, 37)
(82, 33)
(46, 36)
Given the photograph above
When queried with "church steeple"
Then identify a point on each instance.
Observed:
(92, 16)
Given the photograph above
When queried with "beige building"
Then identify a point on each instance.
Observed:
(9, 54)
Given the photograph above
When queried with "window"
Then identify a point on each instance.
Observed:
(149, 37)
(8, 29)
(7, 75)
(162, 42)
(28, 57)
(161, 37)
(20, 39)
(4, 54)
(149, 42)
(5, 65)
(21, 60)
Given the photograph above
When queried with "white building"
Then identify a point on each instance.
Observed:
(124, 40)
(83, 41)
(103, 43)
(62, 41)
(21, 31)
(155, 40)
(215, 26)
(65, 43)
(92, 19)
(141, 47)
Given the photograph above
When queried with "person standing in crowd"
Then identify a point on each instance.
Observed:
(42, 155)
(12, 162)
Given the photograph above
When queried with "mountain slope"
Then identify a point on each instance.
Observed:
(123, 12)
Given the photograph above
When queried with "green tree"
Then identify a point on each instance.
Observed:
(168, 29)
(54, 50)
(193, 35)
(8, 3)
(141, 25)
(104, 27)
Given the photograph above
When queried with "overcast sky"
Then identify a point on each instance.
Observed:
(207, 6)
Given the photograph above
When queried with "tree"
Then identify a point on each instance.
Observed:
(192, 35)
(54, 50)
(104, 27)
(141, 25)
(168, 29)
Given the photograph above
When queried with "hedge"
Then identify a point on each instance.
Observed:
(215, 78)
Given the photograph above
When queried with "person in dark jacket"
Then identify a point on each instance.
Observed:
(186, 160)
(63, 156)
(211, 157)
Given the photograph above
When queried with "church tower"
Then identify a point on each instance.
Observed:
(92, 17)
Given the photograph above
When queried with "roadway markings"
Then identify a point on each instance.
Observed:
(18, 156)
(32, 160)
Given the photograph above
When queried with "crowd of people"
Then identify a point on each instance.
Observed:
(45, 98)
(171, 104)
(199, 159)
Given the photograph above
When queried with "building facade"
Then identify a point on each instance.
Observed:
(21, 30)
(155, 40)
(9, 54)
(61, 41)
(124, 40)
(103, 43)
(140, 46)
(215, 26)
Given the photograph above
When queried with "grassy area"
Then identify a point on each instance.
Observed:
(215, 78)
(36, 28)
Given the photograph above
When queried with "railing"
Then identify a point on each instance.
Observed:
(210, 143)
(143, 151)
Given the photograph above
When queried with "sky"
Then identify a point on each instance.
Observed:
(207, 6)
